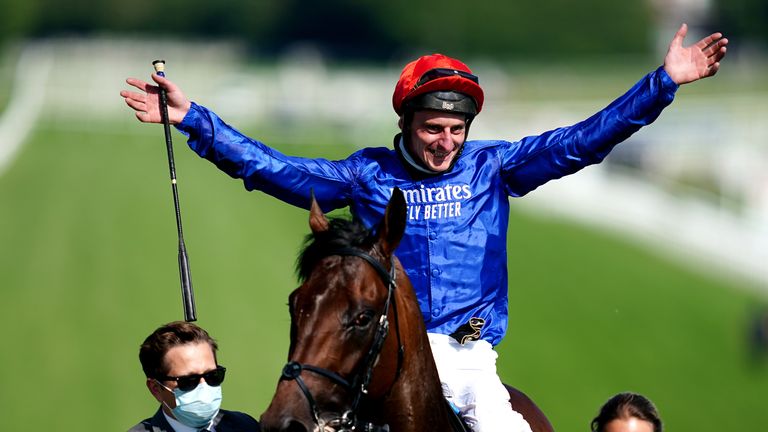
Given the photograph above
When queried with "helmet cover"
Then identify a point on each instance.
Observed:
(436, 73)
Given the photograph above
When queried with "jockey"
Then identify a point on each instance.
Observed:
(454, 247)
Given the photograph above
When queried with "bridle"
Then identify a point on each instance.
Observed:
(359, 384)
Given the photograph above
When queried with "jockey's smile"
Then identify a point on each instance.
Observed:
(436, 138)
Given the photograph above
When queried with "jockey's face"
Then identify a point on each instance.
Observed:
(436, 138)
(631, 424)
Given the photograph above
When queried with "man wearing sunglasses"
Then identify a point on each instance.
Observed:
(454, 248)
(179, 361)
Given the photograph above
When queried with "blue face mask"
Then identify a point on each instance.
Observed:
(196, 408)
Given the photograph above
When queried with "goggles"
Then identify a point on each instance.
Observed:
(436, 73)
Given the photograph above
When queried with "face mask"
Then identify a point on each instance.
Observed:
(196, 408)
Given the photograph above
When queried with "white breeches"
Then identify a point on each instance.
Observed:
(470, 382)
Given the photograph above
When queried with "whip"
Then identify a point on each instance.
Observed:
(187, 296)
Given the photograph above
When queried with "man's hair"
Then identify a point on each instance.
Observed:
(624, 406)
(177, 333)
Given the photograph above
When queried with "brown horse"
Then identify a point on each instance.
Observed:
(359, 357)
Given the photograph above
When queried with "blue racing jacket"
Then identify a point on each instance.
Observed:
(454, 248)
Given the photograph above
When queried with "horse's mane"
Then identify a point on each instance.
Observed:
(341, 233)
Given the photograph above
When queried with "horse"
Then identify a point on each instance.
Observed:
(347, 369)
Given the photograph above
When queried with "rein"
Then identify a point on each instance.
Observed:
(359, 385)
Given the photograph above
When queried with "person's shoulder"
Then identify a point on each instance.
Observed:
(368, 157)
(484, 145)
(155, 423)
(236, 420)
(143, 426)
(374, 152)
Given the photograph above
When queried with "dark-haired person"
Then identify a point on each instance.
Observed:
(457, 191)
(179, 361)
(627, 412)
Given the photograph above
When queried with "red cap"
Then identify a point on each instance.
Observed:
(406, 88)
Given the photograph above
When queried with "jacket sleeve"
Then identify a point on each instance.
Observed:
(535, 160)
(287, 178)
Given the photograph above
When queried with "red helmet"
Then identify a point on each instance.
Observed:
(437, 73)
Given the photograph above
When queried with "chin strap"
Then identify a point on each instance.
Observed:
(400, 146)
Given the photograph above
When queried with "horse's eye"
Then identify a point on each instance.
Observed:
(363, 319)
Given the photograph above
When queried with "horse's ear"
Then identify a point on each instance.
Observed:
(393, 225)
(317, 220)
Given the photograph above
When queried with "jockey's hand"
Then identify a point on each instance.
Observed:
(146, 103)
(691, 63)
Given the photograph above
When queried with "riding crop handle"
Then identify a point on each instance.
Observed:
(187, 295)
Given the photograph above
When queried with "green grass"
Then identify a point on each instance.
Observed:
(592, 316)
(88, 269)
(8, 59)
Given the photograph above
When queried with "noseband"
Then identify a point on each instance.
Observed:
(359, 385)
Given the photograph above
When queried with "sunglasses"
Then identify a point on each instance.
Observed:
(436, 73)
(214, 378)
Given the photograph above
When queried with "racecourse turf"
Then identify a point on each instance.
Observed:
(88, 268)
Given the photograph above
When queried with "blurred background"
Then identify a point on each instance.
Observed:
(646, 273)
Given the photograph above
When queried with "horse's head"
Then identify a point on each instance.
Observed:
(339, 351)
